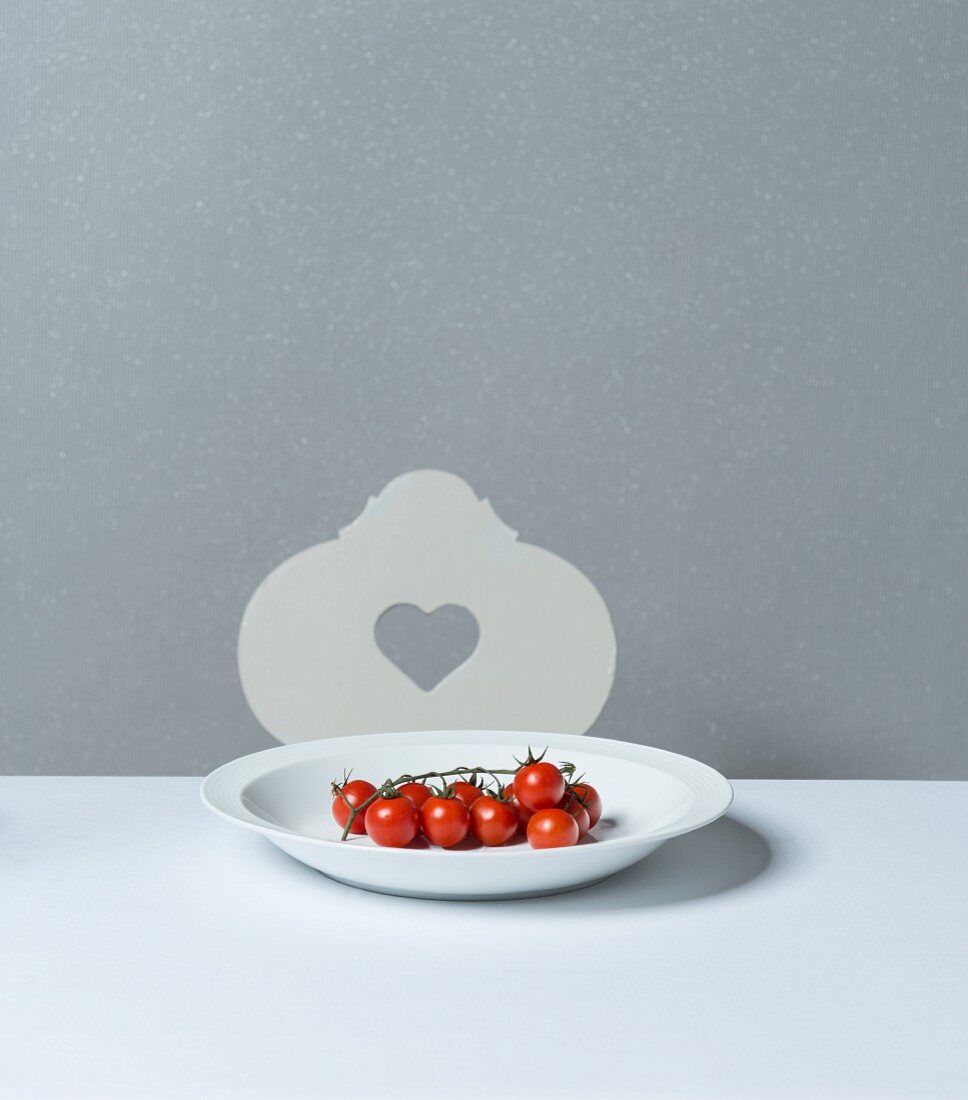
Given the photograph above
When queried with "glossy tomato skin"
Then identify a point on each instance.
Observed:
(355, 792)
(539, 786)
(587, 794)
(552, 828)
(524, 816)
(571, 805)
(444, 821)
(418, 793)
(392, 822)
(493, 822)
(468, 793)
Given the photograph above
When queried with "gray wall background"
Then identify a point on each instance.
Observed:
(680, 287)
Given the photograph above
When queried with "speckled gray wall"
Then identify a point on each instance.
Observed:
(681, 287)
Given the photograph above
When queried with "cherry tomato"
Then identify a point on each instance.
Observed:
(444, 821)
(418, 793)
(552, 828)
(571, 805)
(392, 822)
(539, 786)
(355, 792)
(524, 816)
(492, 821)
(468, 793)
(587, 794)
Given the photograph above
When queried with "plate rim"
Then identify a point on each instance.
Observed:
(221, 790)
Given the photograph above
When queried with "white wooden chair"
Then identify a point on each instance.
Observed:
(310, 659)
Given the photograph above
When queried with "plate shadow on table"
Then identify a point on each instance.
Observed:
(723, 856)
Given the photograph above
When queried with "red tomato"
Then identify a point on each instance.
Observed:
(539, 786)
(350, 794)
(468, 793)
(392, 822)
(587, 794)
(571, 805)
(493, 822)
(444, 821)
(524, 816)
(552, 829)
(418, 793)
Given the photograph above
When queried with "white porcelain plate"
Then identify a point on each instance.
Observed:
(649, 795)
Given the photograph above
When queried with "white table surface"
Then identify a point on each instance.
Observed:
(814, 943)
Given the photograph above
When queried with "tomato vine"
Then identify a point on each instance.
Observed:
(388, 789)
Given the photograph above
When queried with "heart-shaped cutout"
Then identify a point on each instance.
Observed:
(427, 648)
